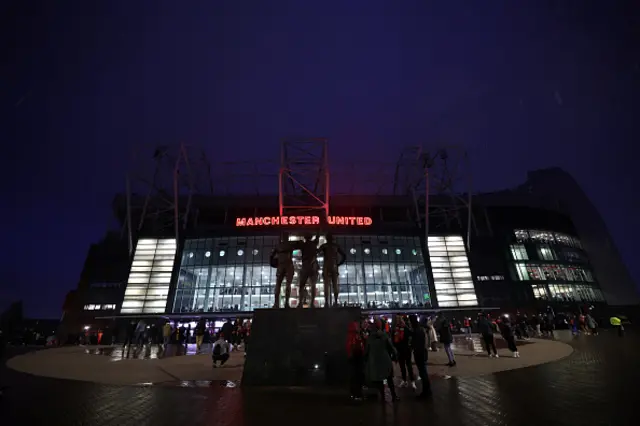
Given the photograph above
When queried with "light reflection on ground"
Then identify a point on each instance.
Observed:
(154, 351)
(148, 351)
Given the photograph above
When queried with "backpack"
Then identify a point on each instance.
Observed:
(217, 349)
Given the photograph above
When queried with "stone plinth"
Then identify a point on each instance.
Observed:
(298, 347)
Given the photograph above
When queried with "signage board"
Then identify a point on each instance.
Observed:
(269, 221)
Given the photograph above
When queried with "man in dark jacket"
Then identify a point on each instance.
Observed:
(446, 338)
(420, 354)
(401, 339)
(486, 330)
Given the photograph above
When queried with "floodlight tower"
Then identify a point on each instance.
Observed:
(161, 183)
(304, 177)
(439, 180)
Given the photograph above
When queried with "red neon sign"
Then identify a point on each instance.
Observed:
(303, 220)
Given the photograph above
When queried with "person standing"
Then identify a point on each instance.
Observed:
(617, 324)
(199, 332)
(420, 354)
(432, 336)
(592, 324)
(141, 330)
(401, 337)
(486, 330)
(467, 328)
(446, 337)
(166, 333)
(378, 354)
(506, 330)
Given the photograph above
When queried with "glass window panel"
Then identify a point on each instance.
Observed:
(392, 273)
(143, 294)
(519, 252)
(451, 273)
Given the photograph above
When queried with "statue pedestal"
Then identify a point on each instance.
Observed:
(299, 347)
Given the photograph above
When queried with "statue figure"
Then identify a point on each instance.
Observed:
(333, 258)
(309, 269)
(282, 260)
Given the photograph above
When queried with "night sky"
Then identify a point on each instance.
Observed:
(520, 84)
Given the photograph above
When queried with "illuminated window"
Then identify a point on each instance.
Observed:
(370, 278)
(521, 235)
(539, 292)
(522, 271)
(150, 275)
(542, 236)
(451, 273)
(567, 240)
(552, 272)
(240, 252)
(564, 293)
(222, 253)
(519, 252)
(546, 253)
(207, 254)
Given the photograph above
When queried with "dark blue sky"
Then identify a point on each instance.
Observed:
(521, 85)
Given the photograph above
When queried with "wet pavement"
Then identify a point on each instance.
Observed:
(594, 386)
(148, 351)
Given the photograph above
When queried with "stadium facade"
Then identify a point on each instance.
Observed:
(418, 249)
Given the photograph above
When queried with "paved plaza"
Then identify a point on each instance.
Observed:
(151, 364)
(589, 380)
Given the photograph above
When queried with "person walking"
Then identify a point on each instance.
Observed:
(378, 356)
(420, 354)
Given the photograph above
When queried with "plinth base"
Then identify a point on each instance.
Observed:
(298, 347)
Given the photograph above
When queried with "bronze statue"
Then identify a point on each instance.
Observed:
(282, 260)
(333, 258)
(309, 269)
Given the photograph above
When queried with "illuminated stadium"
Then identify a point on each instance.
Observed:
(195, 237)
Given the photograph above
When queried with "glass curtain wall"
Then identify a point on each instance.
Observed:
(234, 274)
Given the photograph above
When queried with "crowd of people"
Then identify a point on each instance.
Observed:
(374, 346)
